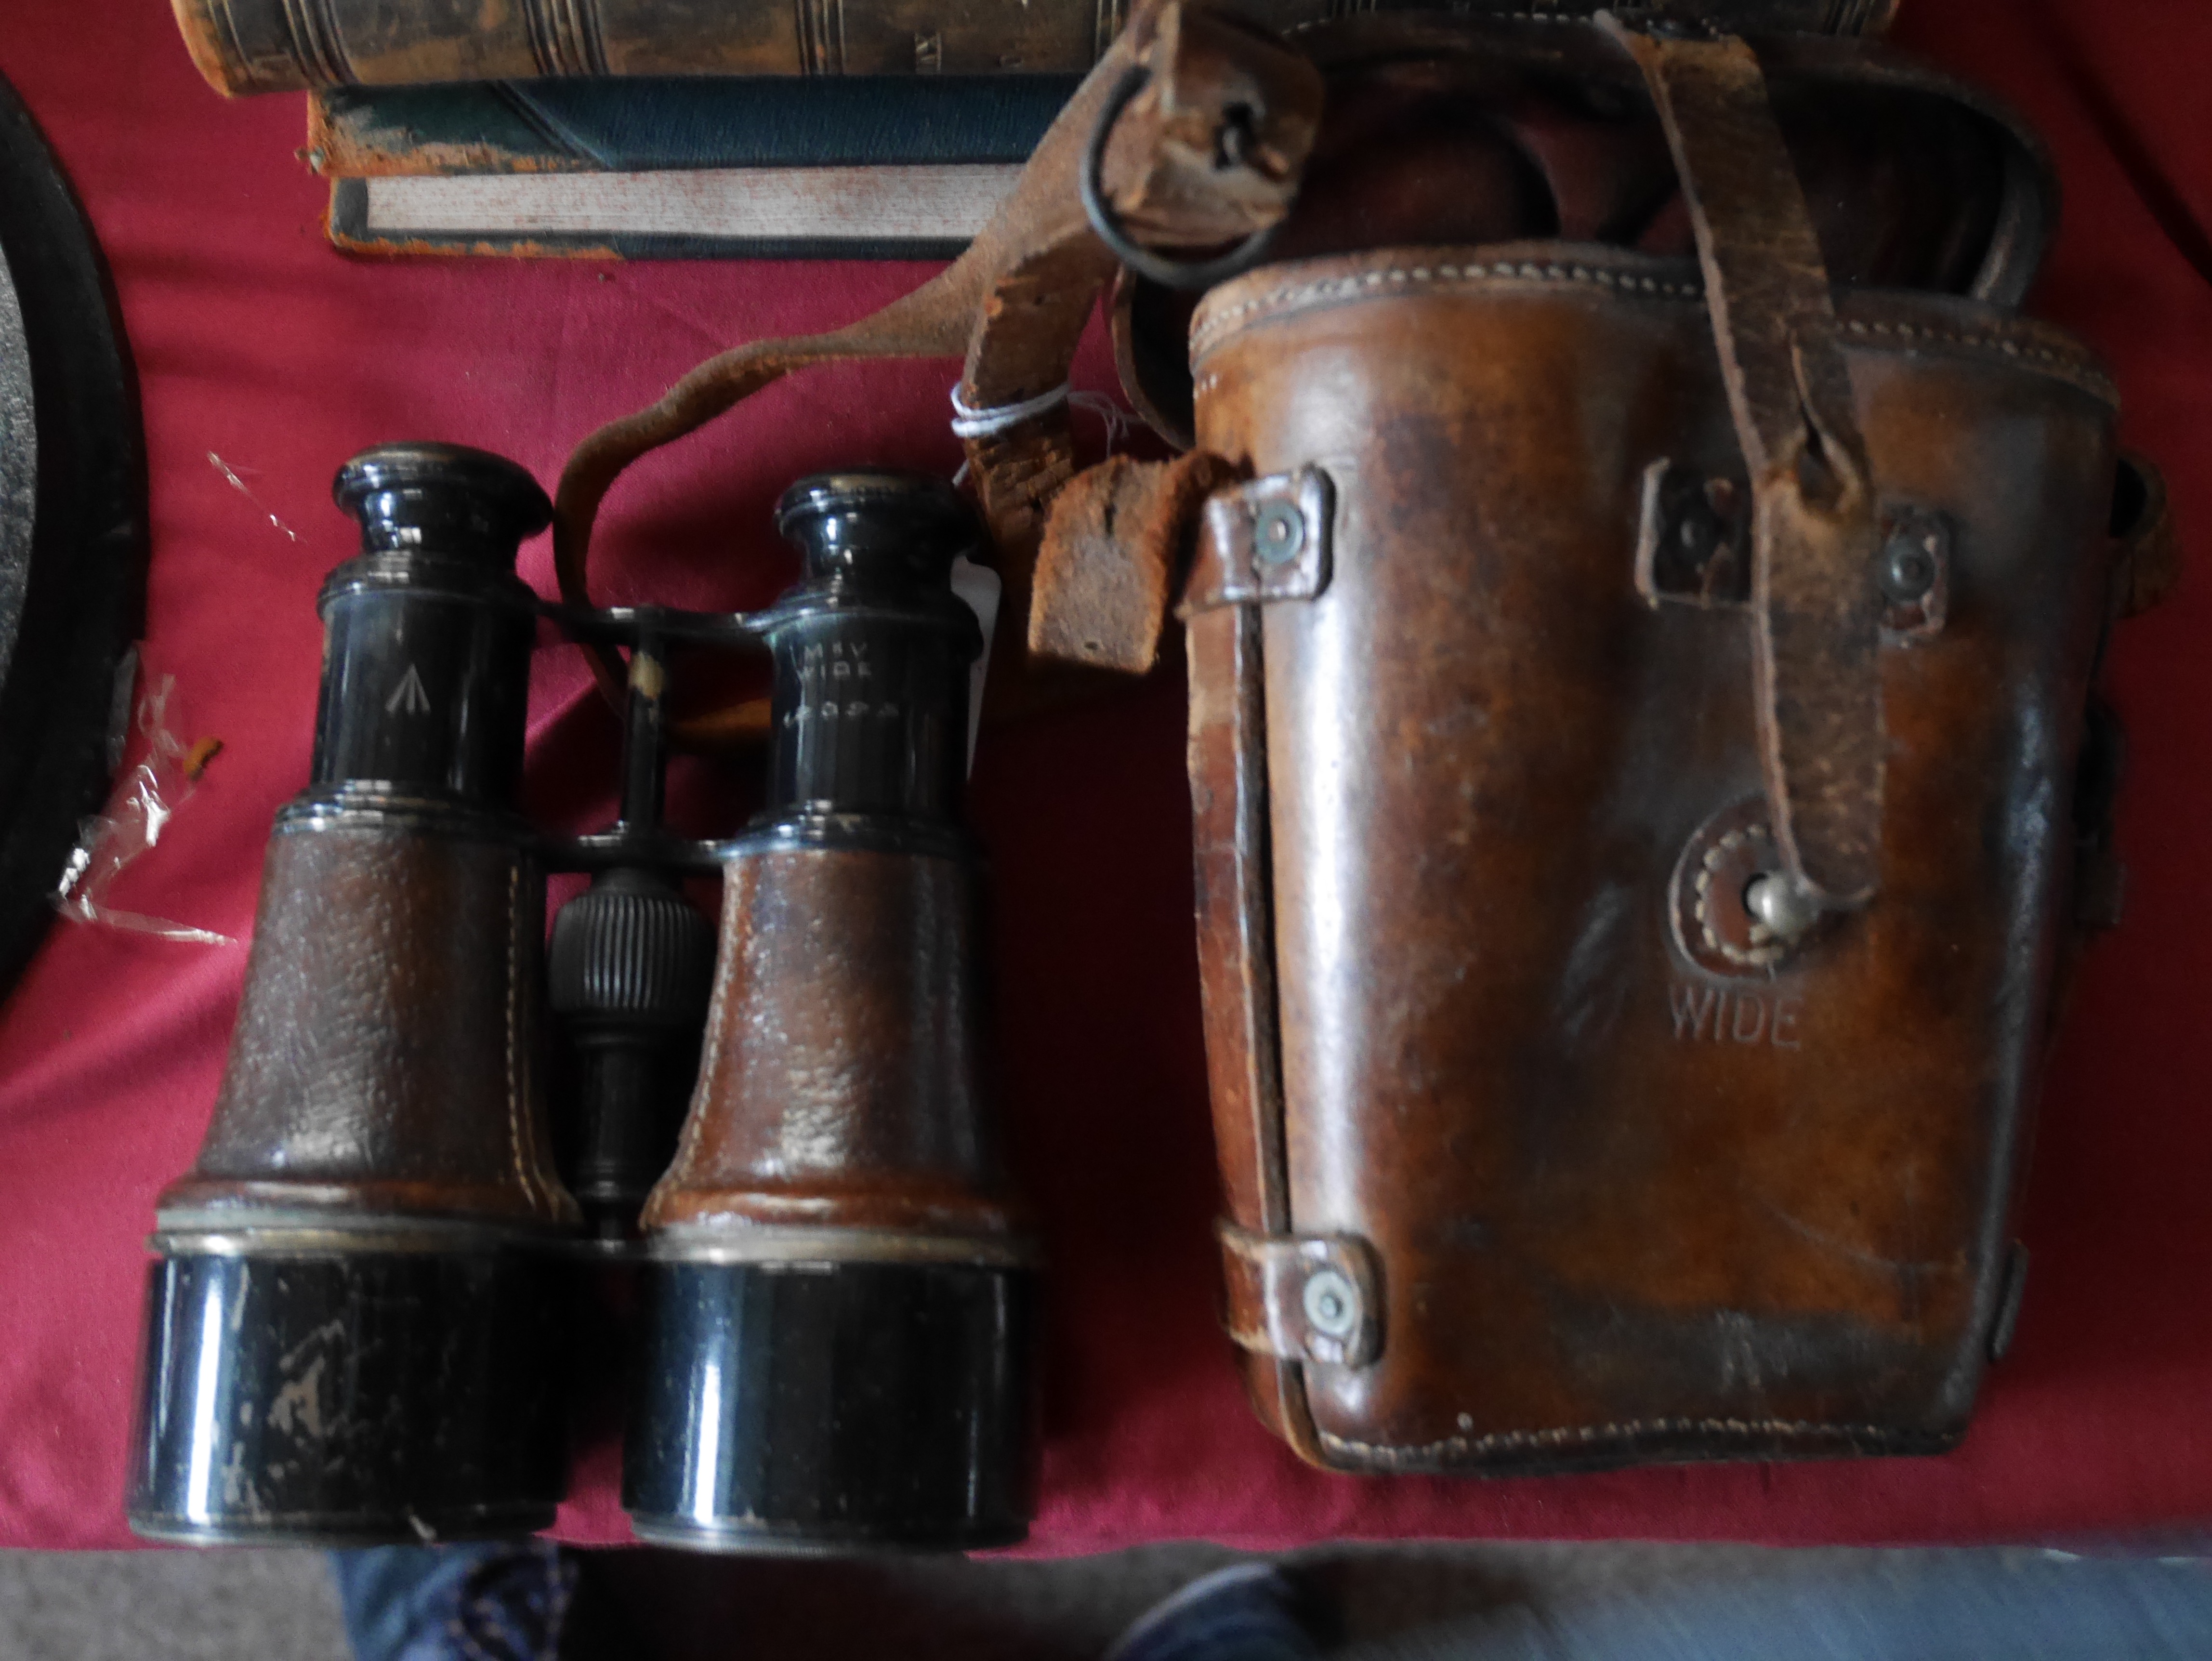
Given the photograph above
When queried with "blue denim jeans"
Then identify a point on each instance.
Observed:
(509, 1602)
(1958, 1605)
(495, 1601)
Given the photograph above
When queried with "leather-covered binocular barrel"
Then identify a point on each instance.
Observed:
(348, 1321)
(838, 1316)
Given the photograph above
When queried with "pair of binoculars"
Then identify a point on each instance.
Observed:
(359, 1322)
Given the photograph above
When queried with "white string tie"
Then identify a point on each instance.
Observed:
(1118, 420)
(983, 423)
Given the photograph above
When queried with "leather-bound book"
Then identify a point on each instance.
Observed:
(663, 168)
(277, 45)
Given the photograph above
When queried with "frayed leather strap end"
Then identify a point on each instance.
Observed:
(1114, 549)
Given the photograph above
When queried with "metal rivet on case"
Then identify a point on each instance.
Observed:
(1908, 564)
(1783, 906)
(1279, 531)
(1332, 1304)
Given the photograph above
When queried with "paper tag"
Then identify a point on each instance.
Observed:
(978, 587)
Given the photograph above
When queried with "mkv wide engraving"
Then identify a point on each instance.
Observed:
(1717, 1016)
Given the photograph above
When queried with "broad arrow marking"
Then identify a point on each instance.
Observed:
(411, 697)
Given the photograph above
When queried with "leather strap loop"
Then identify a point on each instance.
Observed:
(2149, 549)
(1816, 608)
(1016, 301)
(1302, 1297)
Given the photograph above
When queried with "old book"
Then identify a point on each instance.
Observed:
(277, 46)
(662, 168)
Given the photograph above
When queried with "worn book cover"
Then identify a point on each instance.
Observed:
(672, 168)
(277, 46)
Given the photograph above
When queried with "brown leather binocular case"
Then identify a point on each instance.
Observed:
(356, 1321)
(1645, 772)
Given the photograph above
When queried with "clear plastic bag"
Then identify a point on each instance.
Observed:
(145, 799)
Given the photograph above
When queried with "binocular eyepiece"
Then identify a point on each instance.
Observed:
(354, 1315)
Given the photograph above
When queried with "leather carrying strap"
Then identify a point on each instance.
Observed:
(1816, 607)
(1015, 303)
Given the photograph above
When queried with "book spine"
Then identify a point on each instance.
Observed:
(287, 45)
(280, 45)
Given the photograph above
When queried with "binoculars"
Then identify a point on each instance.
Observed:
(357, 1320)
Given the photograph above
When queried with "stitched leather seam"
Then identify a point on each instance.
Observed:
(1758, 957)
(1345, 288)
(1585, 18)
(681, 1167)
(2071, 362)
(1583, 1435)
(513, 1034)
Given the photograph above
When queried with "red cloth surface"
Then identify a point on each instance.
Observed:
(256, 344)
